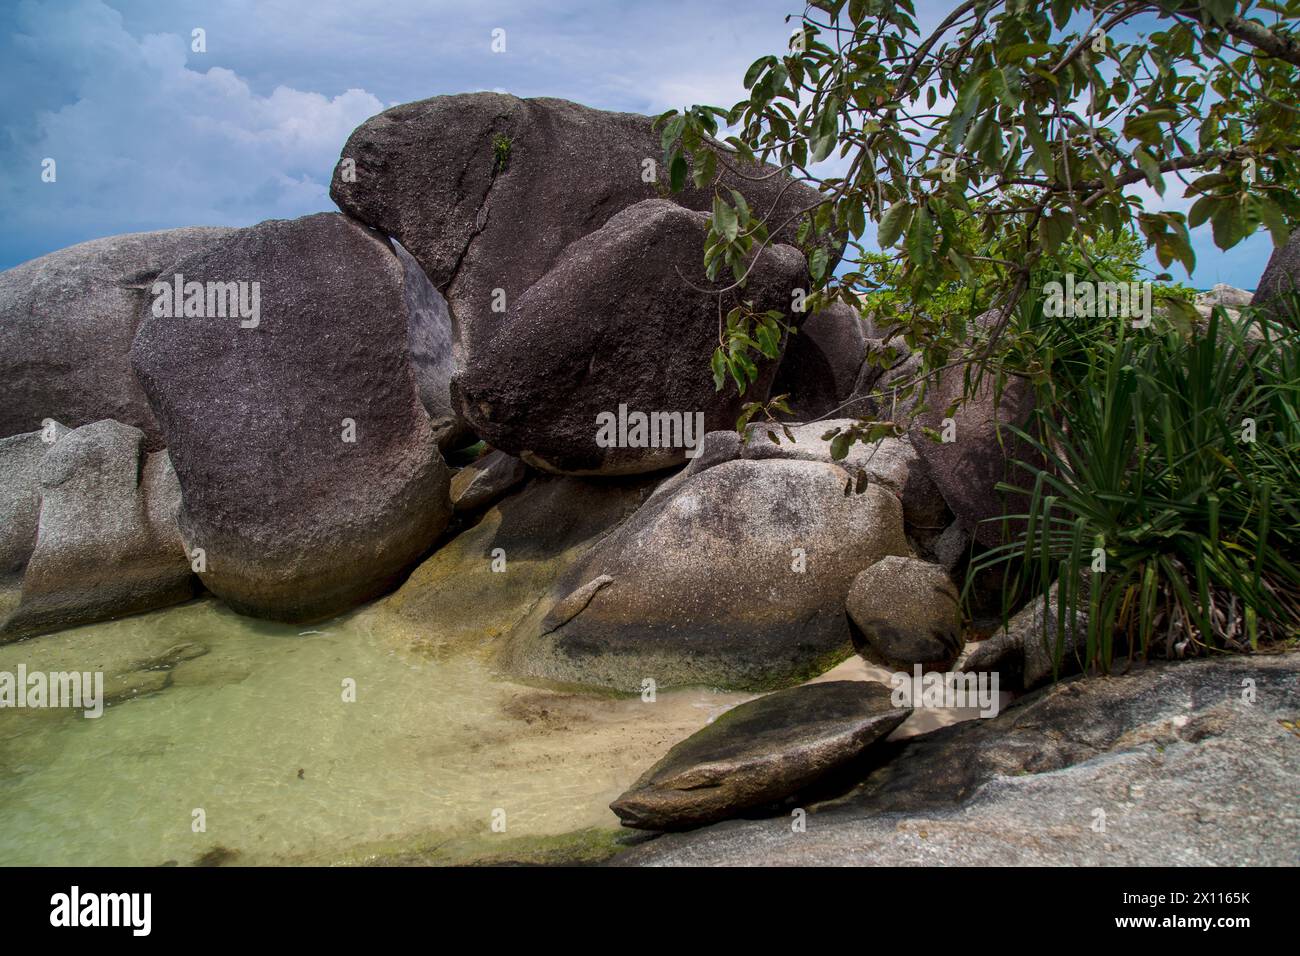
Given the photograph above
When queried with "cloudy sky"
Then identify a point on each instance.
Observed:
(148, 134)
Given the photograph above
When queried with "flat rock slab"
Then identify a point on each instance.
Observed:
(760, 753)
(1193, 763)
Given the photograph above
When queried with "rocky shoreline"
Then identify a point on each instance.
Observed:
(399, 405)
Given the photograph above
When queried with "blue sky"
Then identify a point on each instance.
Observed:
(148, 134)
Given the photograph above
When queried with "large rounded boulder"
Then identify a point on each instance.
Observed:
(735, 578)
(495, 195)
(309, 471)
(612, 340)
(67, 321)
(106, 542)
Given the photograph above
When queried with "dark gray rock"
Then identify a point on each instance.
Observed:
(566, 302)
(108, 543)
(909, 612)
(706, 583)
(760, 753)
(297, 522)
(429, 334)
(613, 325)
(983, 450)
(1282, 274)
(822, 362)
(885, 389)
(1023, 652)
(485, 480)
(66, 324)
(429, 174)
(1193, 763)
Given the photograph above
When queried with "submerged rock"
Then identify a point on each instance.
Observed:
(735, 578)
(310, 474)
(909, 612)
(107, 542)
(760, 753)
(66, 324)
(1188, 763)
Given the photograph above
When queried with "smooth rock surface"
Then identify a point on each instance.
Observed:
(1186, 769)
(486, 479)
(760, 753)
(429, 334)
(67, 321)
(967, 470)
(908, 612)
(430, 174)
(706, 587)
(20, 494)
(612, 325)
(107, 543)
(1023, 651)
(822, 362)
(1282, 274)
(890, 462)
(297, 521)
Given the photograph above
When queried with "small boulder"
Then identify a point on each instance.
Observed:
(1023, 652)
(107, 543)
(760, 753)
(908, 612)
(485, 480)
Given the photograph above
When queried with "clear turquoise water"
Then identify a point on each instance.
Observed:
(256, 733)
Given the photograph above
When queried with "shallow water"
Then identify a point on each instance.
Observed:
(257, 734)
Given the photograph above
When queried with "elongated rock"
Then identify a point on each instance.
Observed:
(760, 753)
